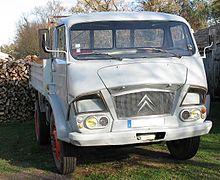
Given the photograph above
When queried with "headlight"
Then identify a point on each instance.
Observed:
(193, 114)
(91, 122)
(194, 96)
(98, 121)
(103, 121)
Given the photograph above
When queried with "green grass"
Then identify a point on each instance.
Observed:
(21, 157)
(18, 150)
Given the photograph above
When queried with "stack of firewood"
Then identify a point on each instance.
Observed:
(16, 97)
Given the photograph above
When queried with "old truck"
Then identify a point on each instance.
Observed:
(119, 79)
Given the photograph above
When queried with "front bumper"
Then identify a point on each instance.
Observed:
(132, 136)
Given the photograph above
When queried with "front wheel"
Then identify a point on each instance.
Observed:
(64, 154)
(183, 149)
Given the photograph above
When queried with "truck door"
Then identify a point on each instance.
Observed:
(59, 66)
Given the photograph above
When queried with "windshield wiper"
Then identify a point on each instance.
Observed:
(158, 50)
(100, 53)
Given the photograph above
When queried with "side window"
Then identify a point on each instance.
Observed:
(61, 42)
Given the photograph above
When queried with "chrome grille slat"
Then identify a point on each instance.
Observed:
(145, 103)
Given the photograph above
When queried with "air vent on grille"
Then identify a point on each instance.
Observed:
(143, 103)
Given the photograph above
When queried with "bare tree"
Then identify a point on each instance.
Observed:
(52, 8)
(169, 6)
(26, 40)
(196, 12)
(101, 5)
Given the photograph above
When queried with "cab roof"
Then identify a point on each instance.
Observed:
(119, 16)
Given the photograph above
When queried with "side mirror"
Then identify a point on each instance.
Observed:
(44, 42)
(45, 52)
(204, 51)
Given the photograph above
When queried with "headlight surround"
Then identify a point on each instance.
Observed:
(91, 112)
(97, 121)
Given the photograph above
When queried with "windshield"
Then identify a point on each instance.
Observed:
(130, 39)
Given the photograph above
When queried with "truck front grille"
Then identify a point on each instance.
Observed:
(145, 103)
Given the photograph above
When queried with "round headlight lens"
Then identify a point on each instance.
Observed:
(195, 114)
(103, 121)
(185, 115)
(91, 122)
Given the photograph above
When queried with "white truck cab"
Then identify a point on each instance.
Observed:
(117, 79)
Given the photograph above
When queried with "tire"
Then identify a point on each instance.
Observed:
(183, 149)
(42, 130)
(64, 154)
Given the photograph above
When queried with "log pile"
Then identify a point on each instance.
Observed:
(16, 97)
